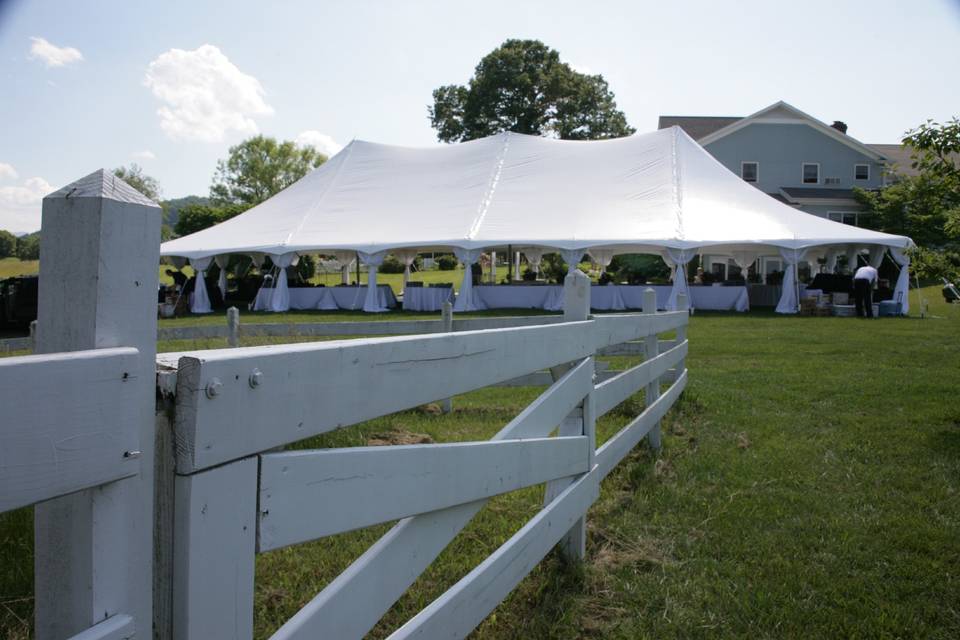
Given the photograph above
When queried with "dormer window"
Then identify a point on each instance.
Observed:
(750, 171)
(861, 172)
(811, 173)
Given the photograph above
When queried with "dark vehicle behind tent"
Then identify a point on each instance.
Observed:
(18, 301)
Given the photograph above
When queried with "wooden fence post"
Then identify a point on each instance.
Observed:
(651, 349)
(233, 327)
(576, 307)
(98, 288)
(446, 321)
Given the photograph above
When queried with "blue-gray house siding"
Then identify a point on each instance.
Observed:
(781, 150)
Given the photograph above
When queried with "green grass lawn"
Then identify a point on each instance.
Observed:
(10, 267)
(809, 487)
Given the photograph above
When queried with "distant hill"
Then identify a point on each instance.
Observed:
(172, 207)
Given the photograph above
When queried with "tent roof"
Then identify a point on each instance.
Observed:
(635, 194)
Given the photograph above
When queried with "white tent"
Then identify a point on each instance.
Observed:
(658, 192)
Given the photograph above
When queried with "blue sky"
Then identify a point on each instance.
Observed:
(172, 85)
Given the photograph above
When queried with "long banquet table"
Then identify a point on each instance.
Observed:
(327, 298)
(607, 298)
(426, 298)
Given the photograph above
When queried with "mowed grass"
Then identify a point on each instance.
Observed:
(809, 486)
(10, 267)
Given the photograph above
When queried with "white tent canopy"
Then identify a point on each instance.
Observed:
(656, 192)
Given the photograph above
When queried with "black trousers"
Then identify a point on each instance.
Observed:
(863, 296)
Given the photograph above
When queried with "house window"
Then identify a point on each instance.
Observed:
(861, 172)
(750, 171)
(846, 217)
(811, 173)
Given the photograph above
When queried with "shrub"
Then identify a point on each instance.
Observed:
(446, 263)
(638, 268)
(390, 265)
(306, 268)
(553, 268)
(529, 275)
(930, 265)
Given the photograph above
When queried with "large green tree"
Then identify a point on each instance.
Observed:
(522, 86)
(136, 178)
(260, 167)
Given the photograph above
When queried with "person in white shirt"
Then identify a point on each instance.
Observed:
(863, 281)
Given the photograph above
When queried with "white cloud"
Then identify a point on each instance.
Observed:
(20, 206)
(7, 172)
(52, 55)
(146, 154)
(319, 141)
(204, 95)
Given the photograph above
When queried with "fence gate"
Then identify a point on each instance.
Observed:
(236, 495)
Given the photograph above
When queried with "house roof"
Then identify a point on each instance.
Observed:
(697, 126)
(898, 158)
(783, 113)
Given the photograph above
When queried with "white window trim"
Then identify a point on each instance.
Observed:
(856, 216)
(803, 168)
(743, 162)
(861, 164)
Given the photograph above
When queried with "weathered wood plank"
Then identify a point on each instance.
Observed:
(69, 423)
(356, 599)
(118, 627)
(215, 525)
(467, 603)
(306, 389)
(614, 449)
(612, 392)
(310, 494)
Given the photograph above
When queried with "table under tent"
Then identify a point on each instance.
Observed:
(656, 193)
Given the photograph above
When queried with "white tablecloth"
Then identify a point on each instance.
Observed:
(426, 298)
(701, 297)
(328, 298)
(549, 297)
(608, 298)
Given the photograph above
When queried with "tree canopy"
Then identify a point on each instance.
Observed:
(195, 217)
(136, 178)
(522, 86)
(28, 247)
(260, 167)
(925, 207)
(8, 244)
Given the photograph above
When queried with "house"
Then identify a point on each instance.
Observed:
(796, 159)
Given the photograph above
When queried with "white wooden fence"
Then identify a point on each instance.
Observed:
(235, 495)
(165, 542)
